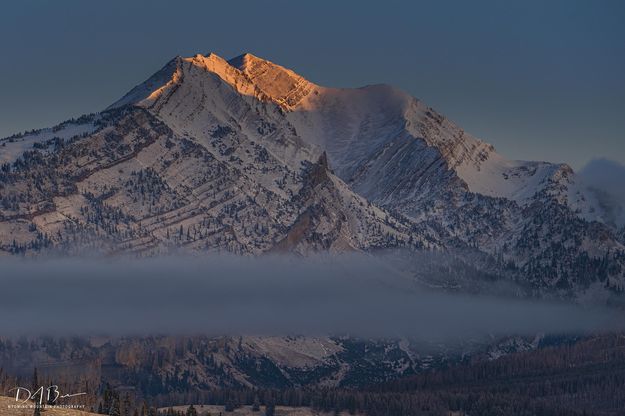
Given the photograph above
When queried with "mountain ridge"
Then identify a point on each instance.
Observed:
(247, 156)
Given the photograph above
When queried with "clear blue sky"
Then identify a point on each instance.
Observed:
(538, 79)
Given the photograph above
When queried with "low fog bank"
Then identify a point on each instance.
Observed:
(322, 295)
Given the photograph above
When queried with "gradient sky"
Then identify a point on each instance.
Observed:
(538, 79)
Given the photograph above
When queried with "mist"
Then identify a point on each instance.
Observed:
(348, 294)
(606, 177)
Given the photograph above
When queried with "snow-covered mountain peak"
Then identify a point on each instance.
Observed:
(246, 156)
(279, 84)
(167, 75)
(245, 60)
(369, 133)
(247, 74)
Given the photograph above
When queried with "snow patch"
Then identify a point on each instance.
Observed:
(11, 148)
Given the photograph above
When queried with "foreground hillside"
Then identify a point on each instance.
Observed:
(171, 367)
(586, 377)
(6, 410)
(561, 378)
(215, 410)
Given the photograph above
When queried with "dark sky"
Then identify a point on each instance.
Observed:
(538, 79)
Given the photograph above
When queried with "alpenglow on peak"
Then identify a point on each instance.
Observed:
(246, 73)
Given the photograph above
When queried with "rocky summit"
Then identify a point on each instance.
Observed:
(247, 157)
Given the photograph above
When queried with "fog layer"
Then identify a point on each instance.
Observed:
(354, 295)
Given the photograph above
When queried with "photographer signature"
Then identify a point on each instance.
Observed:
(51, 394)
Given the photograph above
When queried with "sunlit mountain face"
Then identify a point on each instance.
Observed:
(233, 236)
(246, 157)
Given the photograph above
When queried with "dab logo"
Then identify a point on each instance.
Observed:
(50, 395)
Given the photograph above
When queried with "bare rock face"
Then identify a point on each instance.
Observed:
(248, 157)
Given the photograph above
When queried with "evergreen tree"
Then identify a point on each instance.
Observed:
(256, 405)
(114, 410)
(108, 396)
(125, 410)
(191, 411)
(35, 381)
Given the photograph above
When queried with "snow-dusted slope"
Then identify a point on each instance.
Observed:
(246, 156)
(11, 148)
(393, 148)
(372, 135)
(197, 157)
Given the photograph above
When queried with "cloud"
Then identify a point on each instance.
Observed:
(606, 175)
(605, 178)
(350, 294)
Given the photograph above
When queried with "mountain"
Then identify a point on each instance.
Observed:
(248, 157)
(542, 378)
(166, 365)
